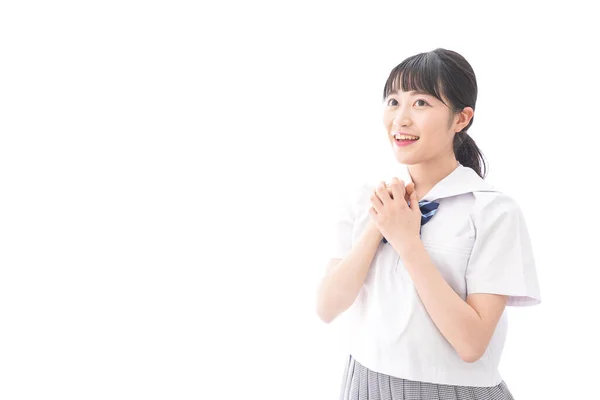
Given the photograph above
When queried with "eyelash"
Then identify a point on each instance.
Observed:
(388, 103)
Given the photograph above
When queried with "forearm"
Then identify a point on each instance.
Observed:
(457, 321)
(340, 286)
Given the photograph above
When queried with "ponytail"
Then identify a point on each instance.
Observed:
(468, 154)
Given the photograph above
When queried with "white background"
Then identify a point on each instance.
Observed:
(169, 172)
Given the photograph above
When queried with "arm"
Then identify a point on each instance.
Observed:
(342, 282)
(468, 326)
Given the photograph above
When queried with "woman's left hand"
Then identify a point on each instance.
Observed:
(398, 222)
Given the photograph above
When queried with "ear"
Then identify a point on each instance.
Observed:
(464, 117)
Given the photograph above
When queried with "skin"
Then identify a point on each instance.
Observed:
(467, 325)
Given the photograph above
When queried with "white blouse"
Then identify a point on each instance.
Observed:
(479, 242)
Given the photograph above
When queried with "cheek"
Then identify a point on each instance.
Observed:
(387, 121)
(427, 130)
(435, 128)
(388, 118)
(435, 134)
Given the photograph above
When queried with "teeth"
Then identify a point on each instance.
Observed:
(404, 137)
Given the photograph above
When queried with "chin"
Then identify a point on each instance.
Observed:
(406, 159)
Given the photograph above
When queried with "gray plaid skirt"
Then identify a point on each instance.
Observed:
(360, 383)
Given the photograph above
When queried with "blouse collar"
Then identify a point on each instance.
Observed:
(460, 181)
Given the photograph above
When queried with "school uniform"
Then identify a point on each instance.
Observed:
(478, 240)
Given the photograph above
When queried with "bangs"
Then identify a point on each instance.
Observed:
(419, 73)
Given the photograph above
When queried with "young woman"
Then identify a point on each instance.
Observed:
(425, 266)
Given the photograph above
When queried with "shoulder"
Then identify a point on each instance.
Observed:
(493, 206)
(494, 201)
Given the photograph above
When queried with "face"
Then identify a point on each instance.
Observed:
(427, 118)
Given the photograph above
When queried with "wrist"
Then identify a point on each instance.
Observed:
(409, 247)
(406, 244)
(373, 230)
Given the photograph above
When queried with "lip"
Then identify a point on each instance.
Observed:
(402, 143)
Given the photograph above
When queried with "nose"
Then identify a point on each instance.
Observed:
(402, 117)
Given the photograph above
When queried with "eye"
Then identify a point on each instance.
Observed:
(425, 103)
(389, 102)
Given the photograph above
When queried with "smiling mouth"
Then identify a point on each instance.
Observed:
(404, 140)
(403, 137)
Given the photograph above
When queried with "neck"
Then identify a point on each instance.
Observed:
(427, 174)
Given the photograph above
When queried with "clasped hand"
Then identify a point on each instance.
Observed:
(398, 222)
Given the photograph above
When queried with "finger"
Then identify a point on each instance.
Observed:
(376, 201)
(398, 188)
(388, 186)
(409, 189)
(389, 190)
(382, 193)
(414, 203)
(372, 213)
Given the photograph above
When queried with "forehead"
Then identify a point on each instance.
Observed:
(411, 93)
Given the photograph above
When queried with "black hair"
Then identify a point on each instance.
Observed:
(444, 72)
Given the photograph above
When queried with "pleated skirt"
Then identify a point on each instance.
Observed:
(360, 383)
